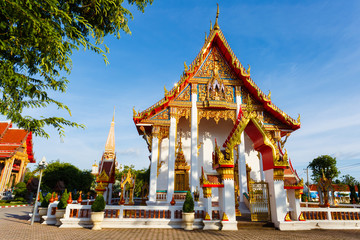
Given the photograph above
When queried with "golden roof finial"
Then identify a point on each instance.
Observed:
(110, 142)
(185, 66)
(210, 25)
(216, 25)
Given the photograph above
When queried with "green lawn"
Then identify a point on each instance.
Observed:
(11, 203)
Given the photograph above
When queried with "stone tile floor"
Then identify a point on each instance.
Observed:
(14, 225)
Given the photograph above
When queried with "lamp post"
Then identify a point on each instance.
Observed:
(42, 165)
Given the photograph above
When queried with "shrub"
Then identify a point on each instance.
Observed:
(63, 200)
(188, 206)
(20, 199)
(20, 190)
(46, 200)
(99, 204)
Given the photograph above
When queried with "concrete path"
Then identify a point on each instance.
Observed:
(14, 225)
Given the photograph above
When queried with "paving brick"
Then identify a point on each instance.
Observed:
(14, 225)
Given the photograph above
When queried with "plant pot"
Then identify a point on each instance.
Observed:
(59, 214)
(42, 212)
(188, 219)
(97, 218)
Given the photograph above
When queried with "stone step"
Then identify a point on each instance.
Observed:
(255, 225)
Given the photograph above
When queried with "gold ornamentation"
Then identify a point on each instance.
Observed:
(194, 88)
(185, 67)
(134, 112)
(173, 112)
(103, 177)
(278, 174)
(181, 170)
(216, 115)
(163, 115)
(301, 217)
(226, 173)
(207, 192)
(224, 217)
(184, 95)
(165, 91)
(248, 70)
(297, 194)
(298, 119)
(269, 95)
(207, 217)
(287, 217)
(215, 58)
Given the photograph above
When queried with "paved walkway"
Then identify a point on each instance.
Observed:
(14, 225)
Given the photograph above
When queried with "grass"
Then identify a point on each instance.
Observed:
(5, 203)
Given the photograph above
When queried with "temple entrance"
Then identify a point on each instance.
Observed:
(259, 201)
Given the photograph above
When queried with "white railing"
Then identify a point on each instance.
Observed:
(121, 216)
(331, 213)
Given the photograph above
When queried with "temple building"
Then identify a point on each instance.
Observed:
(105, 177)
(16, 151)
(217, 133)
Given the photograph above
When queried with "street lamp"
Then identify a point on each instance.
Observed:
(42, 165)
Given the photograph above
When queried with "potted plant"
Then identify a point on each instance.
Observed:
(188, 212)
(44, 203)
(97, 212)
(60, 210)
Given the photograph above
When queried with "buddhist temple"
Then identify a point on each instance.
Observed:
(216, 131)
(16, 151)
(106, 169)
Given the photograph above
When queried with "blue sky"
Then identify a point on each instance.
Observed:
(306, 52)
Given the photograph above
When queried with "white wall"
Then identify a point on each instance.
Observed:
(251, 159)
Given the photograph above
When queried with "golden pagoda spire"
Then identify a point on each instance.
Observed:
(216, 25)
(110, 142)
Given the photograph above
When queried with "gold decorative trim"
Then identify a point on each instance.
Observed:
(298, 194)
(278, 174)
(206, 192)
(194, 88)
(216, 115)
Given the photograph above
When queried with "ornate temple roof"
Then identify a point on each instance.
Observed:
(217, 39)
(108, 163)
(11, 140)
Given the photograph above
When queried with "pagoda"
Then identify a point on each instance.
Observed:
(216, 101)
(16, 151)
(106, 169)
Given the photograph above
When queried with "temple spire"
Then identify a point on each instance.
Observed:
(110, 142)
(216, 25)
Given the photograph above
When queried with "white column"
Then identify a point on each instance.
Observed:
(241, 150)
(229, 199)
(194, 181)
(109, 193)
(171, 161)
(294, 204)
(277, 195)
(242, 168)
(261, 167)
(153, 169)
(208, 205)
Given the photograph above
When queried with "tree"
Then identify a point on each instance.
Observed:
(72, 177)
(20, 191)
(348, 180)
(326, 164)
(37, 38)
